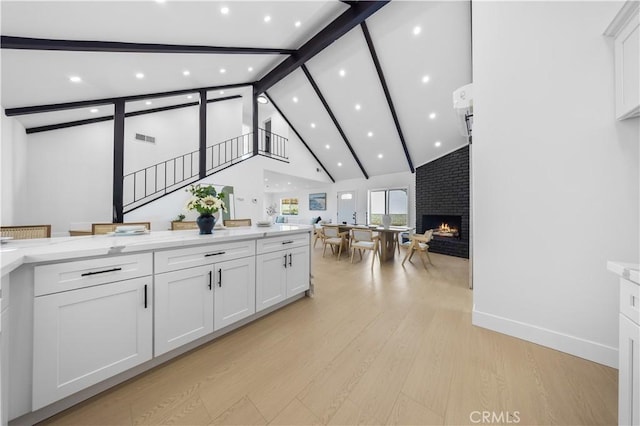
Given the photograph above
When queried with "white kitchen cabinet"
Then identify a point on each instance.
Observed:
(625, 29)
(271, 279)
(183, 308)
(235, 291)
(281, 274)
(629, 368)
(84, 336)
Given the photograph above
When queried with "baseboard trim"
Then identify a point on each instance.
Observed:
(573, 345)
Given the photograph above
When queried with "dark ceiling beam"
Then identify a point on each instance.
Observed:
(36, 109)
(387, 94)
(68, 124)
(333, 118)
(299, 137)
(351, 18)
(27, 43)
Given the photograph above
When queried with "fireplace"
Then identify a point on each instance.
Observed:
(444, 226)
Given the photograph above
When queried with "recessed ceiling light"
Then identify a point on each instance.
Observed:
(297, 24)
(380, 155)
(370, 134)
(148, 103)
(438, 143)
(425, 79)
(295, 99)
(266, 179)
(358, 107)
(186, 73)
(222, 92)
(432, 115)
(267, 18)
(339, 164)
(342, 73)
(288, 183)
(262, 99)
(327, 146)
(189, 96)
(250, 69)
(417, 30)
(224, 10)
(313, 125)
(139, 75)
(75, 79)
(93, 110)
(222, 70)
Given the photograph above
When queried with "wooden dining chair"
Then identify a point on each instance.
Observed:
(26, 232)
(318, 234)
(105, 228)
(232, 223)
(332, 238)
(419, 243)
(363, 239)
(183, 225)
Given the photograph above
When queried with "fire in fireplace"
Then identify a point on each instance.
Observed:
(446, 226)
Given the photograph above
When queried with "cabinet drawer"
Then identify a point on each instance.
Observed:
(630, 300)
(267, 245)
(85, 273)
(173, 260)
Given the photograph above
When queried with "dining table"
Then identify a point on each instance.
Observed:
(388, 237)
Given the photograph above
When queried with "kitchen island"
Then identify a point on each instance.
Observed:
(81, 314)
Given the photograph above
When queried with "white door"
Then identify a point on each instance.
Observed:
(235, 291)
(85, 336)
(183, 307)
(297, 271)
(347, 207)
(271, 286)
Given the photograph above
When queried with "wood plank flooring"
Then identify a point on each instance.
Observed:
(391, 346)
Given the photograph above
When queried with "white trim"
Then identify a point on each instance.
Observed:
(623, 16)
(573, 345)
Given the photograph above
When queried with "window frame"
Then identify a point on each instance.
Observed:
(386, 191)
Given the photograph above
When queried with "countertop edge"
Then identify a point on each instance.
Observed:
(630, 271)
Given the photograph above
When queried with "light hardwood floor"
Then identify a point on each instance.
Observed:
(390, 346)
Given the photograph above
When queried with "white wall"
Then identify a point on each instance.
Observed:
(224, 120)
(13, 158)
(555, 176)
(69, 177)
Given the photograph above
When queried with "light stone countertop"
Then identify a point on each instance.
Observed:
(630, 271)
(17, 252)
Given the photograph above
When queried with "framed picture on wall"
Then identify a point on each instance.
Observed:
(318, 201)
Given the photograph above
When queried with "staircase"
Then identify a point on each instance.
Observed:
(151, 183)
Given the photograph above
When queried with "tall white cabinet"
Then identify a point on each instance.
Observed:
(629, 343)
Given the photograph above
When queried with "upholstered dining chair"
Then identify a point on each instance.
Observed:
(232, 223)
(420, 243)
(105, 228)
(183, 225)
(363, 239)
(332, 238)
(26, 232)
(318, 234)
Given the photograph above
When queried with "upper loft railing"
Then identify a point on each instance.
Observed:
(153, 182)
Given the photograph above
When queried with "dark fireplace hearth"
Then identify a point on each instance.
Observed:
(444, 226)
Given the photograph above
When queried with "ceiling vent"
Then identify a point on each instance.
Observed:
(145, 138)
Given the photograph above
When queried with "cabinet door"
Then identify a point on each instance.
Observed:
(271, 284)
(629, 373)
(183, 307)
(298, 271)
(85, 336)
(235, 291)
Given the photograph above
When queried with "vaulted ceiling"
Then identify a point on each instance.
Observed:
(359, 118)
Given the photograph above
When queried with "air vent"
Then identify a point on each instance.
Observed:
(145, 138)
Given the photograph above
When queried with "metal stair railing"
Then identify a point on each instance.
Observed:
(153, 182)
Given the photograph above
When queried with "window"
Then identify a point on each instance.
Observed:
(394, 202)
(289, 206)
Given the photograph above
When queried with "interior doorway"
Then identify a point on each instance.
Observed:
(267, 136)
(347, 207)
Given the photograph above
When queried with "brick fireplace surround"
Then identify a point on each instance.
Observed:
(442, 188)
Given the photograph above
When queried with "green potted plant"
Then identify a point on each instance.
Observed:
(206, 201)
